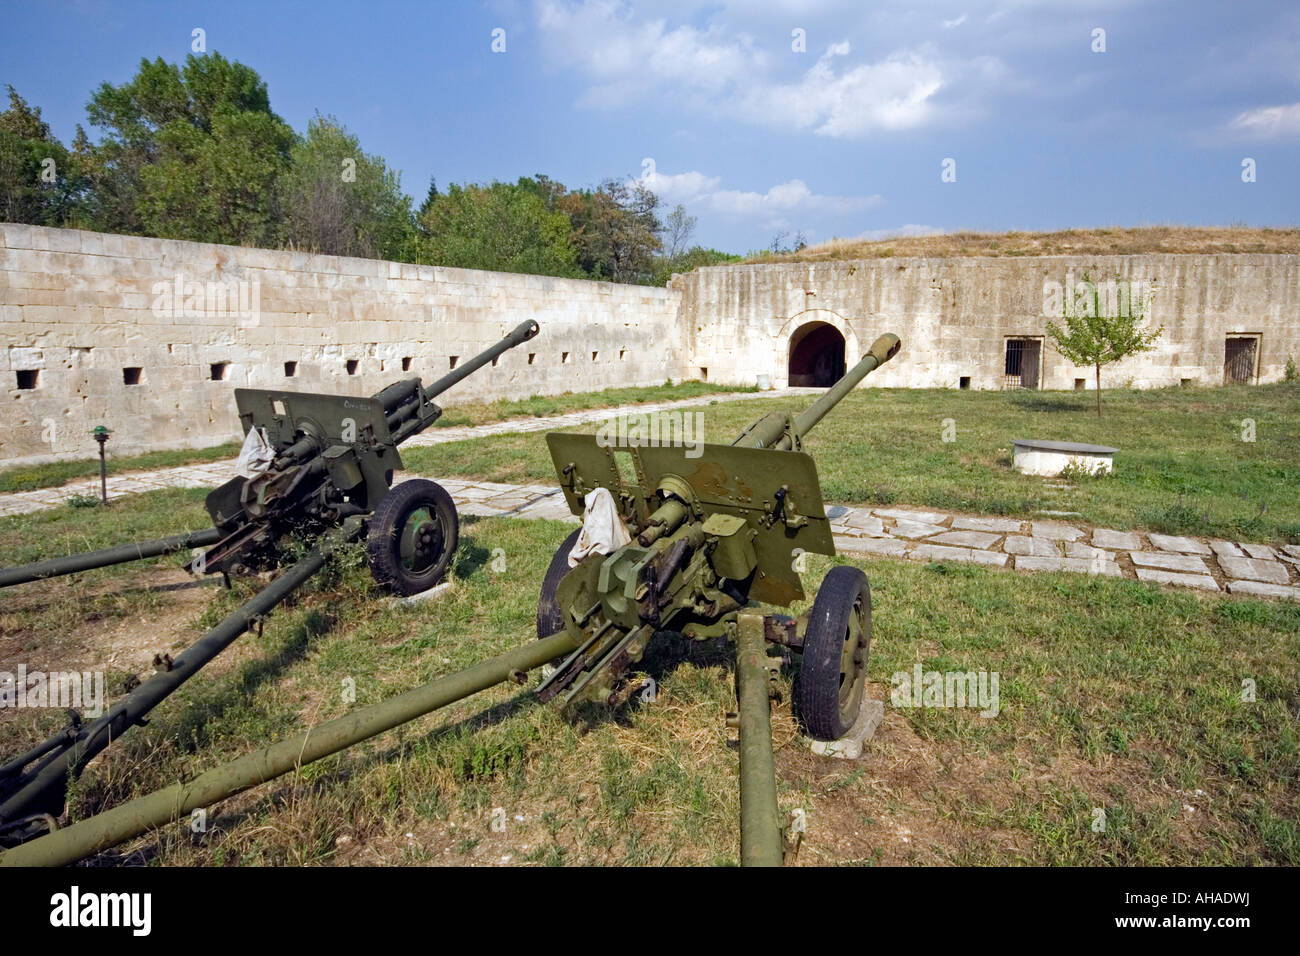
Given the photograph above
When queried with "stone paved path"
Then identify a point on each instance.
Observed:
(908, 533)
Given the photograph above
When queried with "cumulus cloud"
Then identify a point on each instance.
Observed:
(1269, 122)
(710, 68)
(780, 205)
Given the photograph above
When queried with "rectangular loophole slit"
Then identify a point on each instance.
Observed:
(290, 369)
(131, 374)
(453, 360)
(595, 356)
(406, 363)
(218, 371)
(1080, 384)
(704, 374)
(963, 382)
(28, 377)
(564, 358)
(352, 366)
(531, 356)
(622, 355)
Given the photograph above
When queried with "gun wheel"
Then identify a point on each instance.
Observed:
(828, 692)
(550, 619)
(412, 536)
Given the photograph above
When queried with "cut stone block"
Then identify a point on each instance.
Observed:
(938, 552)
(902, 514)
(1264, 590)
(865, 522)
(886, 548)
(1292, 549)
(1115, 540)
(916, 529)
(437, 591)
(1081, 565)
(1262, 551)
(1226, 549)
(1000, 525)
(1169, 562)
(1077, 549)
(1038, 547)
(1169, 542)
(849, 747)
(967, 539)
(1254, 569)
(1055, 529)
(1156, 576)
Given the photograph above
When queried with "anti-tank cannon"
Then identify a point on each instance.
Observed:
(317, 467)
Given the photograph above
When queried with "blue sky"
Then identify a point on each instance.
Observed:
(844, 138)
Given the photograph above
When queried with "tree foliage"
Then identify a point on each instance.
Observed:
(39, 181)
(1098, 332)
(338, 200)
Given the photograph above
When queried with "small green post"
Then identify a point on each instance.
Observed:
(101, 435)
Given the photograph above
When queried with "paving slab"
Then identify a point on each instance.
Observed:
(1037, 547)
(1157, 576)
(916, 529)
(1170, 542)
(1261, 551)
(939, 552)
(1000, 525)
(1169, 562)
(1077, 549)
(1226, 549)
(1080, 565)
(1056, 530)
(905, 514)
(1264, 590)
(967, 539)
(1255, 569)
(882, 547)
(1292, 549)
(1114, 540)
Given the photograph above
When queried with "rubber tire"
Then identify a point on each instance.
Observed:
(817, 689)
(550, 620)
(383, 550)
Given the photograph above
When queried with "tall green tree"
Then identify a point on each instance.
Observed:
(40, 180)
(191, 152)
(615, 230)
(502, 226)
(1098, 332)
(338, 200)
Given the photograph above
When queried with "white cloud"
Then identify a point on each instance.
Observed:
(713, 69)
(780, 205)
(949, 24)
(1270, 122)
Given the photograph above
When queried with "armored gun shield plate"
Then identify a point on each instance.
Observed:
(582, 464)
(340, 418)
(745, 482)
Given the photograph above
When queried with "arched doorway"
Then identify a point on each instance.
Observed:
(816, 355)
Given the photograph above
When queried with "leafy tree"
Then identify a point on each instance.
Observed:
(677, 231)
(40, 181)
(694, 258)
(501, 227)
(615, 230)
(1091, 337)
(190, 153)
(338, 200)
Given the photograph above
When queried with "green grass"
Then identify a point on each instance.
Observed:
(30, 477)
(1114, 695)
(1181, 467)
(539, 406)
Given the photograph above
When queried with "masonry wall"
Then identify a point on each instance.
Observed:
(955, 315)
(79, 309)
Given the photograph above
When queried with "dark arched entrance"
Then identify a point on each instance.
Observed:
(816, 355)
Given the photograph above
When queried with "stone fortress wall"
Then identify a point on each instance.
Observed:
(149, 336)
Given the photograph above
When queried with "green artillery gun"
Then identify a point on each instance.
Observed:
(322, 470)
(715, 535)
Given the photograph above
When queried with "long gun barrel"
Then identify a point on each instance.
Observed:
(774, 431)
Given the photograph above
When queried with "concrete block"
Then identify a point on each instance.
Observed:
(1254, 569)
(1115, 540)
(1056, 530)
(1157, 576)
(1263, 589)
(1167, 542)
(1036, 547)
(1169, 562)
(849, 747)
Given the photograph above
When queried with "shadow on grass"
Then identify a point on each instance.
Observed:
(1035, 401)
